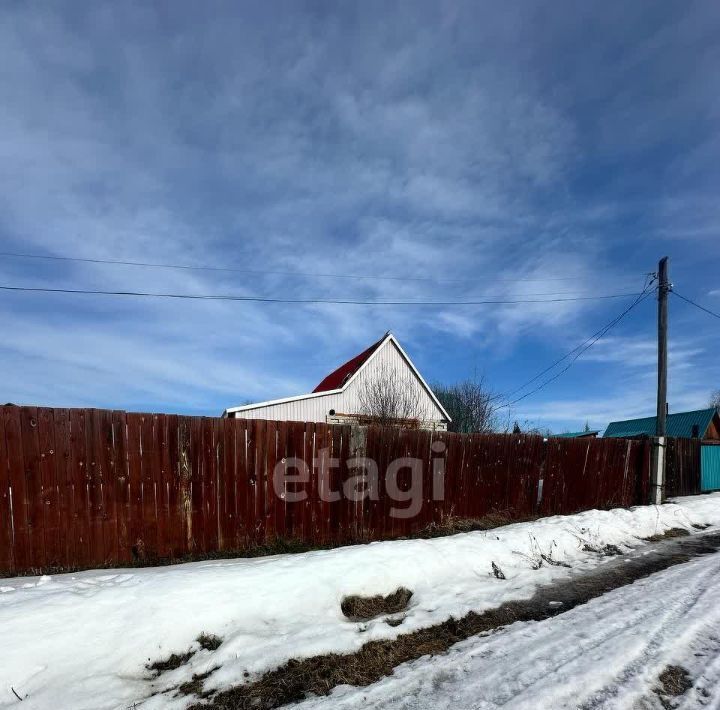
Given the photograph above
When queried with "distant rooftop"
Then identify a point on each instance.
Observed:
(681, 424)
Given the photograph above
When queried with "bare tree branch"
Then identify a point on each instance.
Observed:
(391, 399)
(469, 404)
(715, 400)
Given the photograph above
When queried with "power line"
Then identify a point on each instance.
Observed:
(648, 282)
(574, 359)
(577, 351)
(267, 272)
(261, 299)
(697, 305)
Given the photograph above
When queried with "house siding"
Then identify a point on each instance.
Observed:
(713, 431)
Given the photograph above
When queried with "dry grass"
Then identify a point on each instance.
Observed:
(318, 675)
(209, 642)
(672, 532)
(357, 608)
(195, 686)
(171, 662)
(452, 525)
(603, 550)
(675, 681)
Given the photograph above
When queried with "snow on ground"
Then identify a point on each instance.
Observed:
(83, 640)
(607, 653)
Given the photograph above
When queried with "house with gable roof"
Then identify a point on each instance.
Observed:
(339, 396)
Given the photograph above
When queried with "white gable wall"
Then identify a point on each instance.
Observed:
(386, 360)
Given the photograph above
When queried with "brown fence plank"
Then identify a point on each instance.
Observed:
(136, 485)
(218, 442)
(368, 507)
(184, 476)
(108, 476)
(161, 479)
(303, 444)
(271, 501)
(243, 492)
(259, 435)
(63, 475)
(251, 503)
(683, 466)
(332, 484)
(210, 458)
(197, 540)
(148, 500)
(52, 527)
(280, 494)
(33, 484)
(7, 543)
(171, 473)
(293, 445)
(18, 488)
(94, 509)
(121, 476)
(79, 489)
(226, 518)
(308, 451)
(320, 480)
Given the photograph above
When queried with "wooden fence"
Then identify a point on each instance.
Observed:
(682, 468)
(82, 488)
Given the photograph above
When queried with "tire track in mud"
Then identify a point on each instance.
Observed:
(666, 629)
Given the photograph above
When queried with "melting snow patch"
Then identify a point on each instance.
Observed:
(83, 640)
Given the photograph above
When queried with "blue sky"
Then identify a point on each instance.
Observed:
(461, 151)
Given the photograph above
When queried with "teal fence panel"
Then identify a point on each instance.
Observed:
(710, 468)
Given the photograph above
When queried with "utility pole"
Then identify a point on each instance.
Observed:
(657, 473)
(663, 289)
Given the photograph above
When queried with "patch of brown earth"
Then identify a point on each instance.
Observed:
(675, 681)
(170, 663)
(209, 642)
(357, 608)
(667, 535)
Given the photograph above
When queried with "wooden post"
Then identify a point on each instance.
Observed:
(657, 474)
(663, 289)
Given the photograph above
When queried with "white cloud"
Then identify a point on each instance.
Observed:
(422, 144)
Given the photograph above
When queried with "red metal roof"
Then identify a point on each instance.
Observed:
(337, 378)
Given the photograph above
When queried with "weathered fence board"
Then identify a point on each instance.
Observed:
(7, 546)
(86, 487)
(588, 473)
(683, 466)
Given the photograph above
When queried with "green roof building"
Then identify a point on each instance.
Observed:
(700, 424)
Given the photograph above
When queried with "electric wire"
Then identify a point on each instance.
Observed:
(307, 301)
(697, 305)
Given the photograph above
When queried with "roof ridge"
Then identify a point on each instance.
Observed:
(670, 414)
